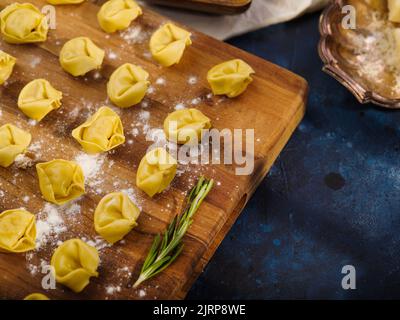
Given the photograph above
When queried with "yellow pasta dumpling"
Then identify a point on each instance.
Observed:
(156, 171)
(115, 216)
(7, 63)
(184, 126)
(60, 181)
(74, 263)
(168, 44)
(102, 132)
(118, 14)
(13, 141)
(230, 78)
(23, 23)
(38, 98)
(128, 85)
(36, 296)
(80, 55)
(17, 231)
(56, 2)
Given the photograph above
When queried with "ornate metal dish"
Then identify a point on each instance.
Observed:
(365, 59)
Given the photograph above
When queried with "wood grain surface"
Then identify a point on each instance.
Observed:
(210, 6)
(273, 106)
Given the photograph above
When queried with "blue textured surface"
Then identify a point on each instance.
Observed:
(331, 199)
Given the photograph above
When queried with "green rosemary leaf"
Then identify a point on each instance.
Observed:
(166, 249)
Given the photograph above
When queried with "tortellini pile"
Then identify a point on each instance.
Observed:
(80, 55)
(156, 171)
(13, 142)
(74, 263)
(118, 14)
(17, 231)
(38, 98)
(185, 126)
(23, 23)
(7, 63)
(36, 296)
(60, 180)
(101, 132)
(128, 85)
(115, 216)
(168, 44)
(230, 78)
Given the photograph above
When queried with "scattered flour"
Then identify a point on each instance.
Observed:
(142, 293)
(112, 289)
(192, 80)
(23, 162)
(98, 242)
(91, 166)
(180, 106)
(161, 81)
(130, 192)
(35, 62)
(112, 55)
(134, 35)
(49, 225)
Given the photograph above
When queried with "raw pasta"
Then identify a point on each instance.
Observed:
(38, 98)
(118, 14)
(74, 262)
(60, 181)
(7, 63)
(128, 85)
(230, 78)
(168, 44)
(115, 216)
(23, 23)
(17, 231)
(80, 55)
(13, 141)
(184, 126)
(102, 132)
(36, 296)
(56, 2)
(156, 171)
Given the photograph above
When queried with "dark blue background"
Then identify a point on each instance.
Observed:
(331, 199)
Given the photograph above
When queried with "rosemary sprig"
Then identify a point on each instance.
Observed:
(166, 248)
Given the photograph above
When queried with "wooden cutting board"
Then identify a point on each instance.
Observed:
(211, 6)
(273, 105)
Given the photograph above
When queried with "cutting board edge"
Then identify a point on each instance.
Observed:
(219, 9)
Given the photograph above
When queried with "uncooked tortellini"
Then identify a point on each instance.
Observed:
(80, 55)
(36, 296)
(128, 85)
(7, 63)
(230, 78)
(60, 181)
(156, 171)
(184, 126)
(115, 216)
(102, 132)
(56, 2)
(13, 142)
(17, 231)
(118, 14)
(168, 43)
(23, 23)
(74, 262)
(38, 98)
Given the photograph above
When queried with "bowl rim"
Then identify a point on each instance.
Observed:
(333, 68)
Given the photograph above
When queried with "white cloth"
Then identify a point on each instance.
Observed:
(262, 13)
